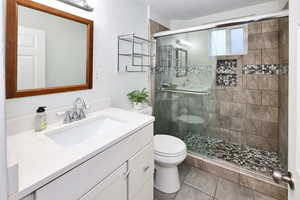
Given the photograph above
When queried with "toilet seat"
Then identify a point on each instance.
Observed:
(168, 146)
(169, 152)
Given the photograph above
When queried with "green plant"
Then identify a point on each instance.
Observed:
(138, 96)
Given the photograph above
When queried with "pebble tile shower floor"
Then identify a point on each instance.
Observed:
(199, 185)
(250, 158)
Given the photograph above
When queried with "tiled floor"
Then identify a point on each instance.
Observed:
(200, 185)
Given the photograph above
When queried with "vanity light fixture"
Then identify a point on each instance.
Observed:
(82, 4)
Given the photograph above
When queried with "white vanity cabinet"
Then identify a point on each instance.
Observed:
(113, 187)
(133, 181)
(122, 172)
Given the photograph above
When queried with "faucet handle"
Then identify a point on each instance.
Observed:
(68, 117)
(81, 114)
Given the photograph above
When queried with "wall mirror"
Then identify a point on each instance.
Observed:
(47, 50)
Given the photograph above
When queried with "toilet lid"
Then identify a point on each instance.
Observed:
(168, 145)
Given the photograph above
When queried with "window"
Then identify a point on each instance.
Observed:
(229, 41)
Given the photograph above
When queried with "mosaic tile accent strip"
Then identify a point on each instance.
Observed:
(270, 69)
(226, 74)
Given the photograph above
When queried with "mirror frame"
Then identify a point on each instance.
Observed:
(12, 45)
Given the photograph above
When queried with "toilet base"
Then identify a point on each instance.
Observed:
(166, 179)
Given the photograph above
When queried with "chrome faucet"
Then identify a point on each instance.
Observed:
(78, 112)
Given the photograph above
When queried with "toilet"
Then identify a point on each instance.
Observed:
(169, 152)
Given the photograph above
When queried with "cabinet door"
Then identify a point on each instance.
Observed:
(113, 187)
(140, 179)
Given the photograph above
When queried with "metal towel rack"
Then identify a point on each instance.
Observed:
(134, 40)
(182, 91)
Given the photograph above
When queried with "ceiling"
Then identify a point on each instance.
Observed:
(189, 9)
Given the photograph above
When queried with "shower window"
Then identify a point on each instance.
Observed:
(229, 41)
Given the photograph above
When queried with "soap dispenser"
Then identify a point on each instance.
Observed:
(41, 119)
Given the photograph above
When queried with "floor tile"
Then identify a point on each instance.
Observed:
(201, 180)
(259, 196)
(189, 193)
(183, 171)
(158, 195)
(227, 190)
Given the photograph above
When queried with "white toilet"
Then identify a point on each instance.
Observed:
(169, 152)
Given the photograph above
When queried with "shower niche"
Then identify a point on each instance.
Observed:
(226, 74)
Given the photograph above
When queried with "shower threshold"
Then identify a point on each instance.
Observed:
(253, 159)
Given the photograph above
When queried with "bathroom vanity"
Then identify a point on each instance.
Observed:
(108, 155)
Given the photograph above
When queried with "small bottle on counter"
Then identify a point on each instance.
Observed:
(41, 119)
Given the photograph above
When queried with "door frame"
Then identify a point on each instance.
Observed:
(294, 95)
(3, 147)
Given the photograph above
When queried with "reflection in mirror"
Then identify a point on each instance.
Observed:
(52, 51)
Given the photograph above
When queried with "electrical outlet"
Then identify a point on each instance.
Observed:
(98, 74)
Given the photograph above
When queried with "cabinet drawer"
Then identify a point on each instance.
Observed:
(77, 182)
(141, 169)
(112, 187)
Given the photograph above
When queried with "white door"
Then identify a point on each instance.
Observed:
(31, 58)
(294, 99)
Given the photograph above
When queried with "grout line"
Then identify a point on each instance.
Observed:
(196, 188)
(215, 193)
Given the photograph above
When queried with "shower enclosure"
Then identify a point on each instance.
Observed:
(224, 92)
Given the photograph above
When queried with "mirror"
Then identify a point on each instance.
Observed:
(48, 50)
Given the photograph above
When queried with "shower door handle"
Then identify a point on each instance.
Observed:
(278, 177)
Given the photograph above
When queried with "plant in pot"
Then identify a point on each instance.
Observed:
(138, 98)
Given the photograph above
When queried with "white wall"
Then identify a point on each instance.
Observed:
(236, 13)
(61, 34)
(111, 17)
(159, 17)
(3, 165)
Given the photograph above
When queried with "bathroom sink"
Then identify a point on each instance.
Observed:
(82, 131)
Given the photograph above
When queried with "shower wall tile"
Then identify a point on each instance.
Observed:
(253, 57)
(233, 123)
(260, 142)
(232, 109)
(247, 96)
(212, 119)
(268, 40)
(224, 95)
(283, 32)
(269, 130)
(262, 82)
(255, 27)
(269, 98)
(284, 54)
(226, 134)
(252, 126)
(270, 25)
(270, 56)
(283, 91)
(210, 106)
(252, 42)
(283, 85)
(264, 113)
(263, 41)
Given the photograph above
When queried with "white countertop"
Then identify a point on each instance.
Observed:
(41, 160)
